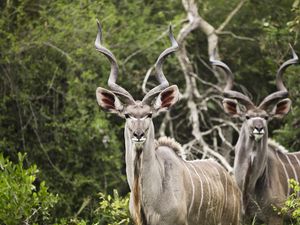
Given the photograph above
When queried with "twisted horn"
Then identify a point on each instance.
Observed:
(227, 92)
(283, 67)
(163, 82)
(114, 67)
(282, 91)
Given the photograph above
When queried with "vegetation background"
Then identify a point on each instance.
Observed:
(58, 150)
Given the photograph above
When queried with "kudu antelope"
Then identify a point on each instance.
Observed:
(165, 189)
(261, 170)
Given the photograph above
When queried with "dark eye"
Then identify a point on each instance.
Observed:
(126, 115)
(149, 115)
(247, 117)
(266, 117)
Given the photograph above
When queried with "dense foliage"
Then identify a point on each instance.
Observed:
(113, 209)
(49, 71)
(291, 206)
(22, 200)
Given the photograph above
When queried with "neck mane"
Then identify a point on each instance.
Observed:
(251, 160)
(145, 171)
(140, 163)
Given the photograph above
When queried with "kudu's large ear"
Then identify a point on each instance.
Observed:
(167, 98)
(109, 101)
(281, 108)
(231, 107)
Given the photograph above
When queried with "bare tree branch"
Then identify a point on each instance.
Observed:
(207, 134)
(197, 103)
(162, 35)
(236, 36)
(207, 83)
(231, 15)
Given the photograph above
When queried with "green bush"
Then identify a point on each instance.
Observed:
(292, 204)
(113, 210)
(21, 202)
(73, 221)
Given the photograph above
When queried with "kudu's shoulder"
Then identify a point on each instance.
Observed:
(172, 144)
(278, 148)
(275, 146)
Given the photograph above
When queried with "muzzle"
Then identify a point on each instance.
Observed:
(258, 133)
(138, 137)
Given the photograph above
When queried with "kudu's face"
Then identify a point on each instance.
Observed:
(138, 120)
(255, 120)
(138, 114)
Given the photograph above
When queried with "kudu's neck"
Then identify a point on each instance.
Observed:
(140, 159)
(250, 160)
(143, 174)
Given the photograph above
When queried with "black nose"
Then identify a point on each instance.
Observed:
(259, 128)
(258, 125)
(138, 134)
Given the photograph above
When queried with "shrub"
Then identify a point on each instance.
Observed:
(21, 202)
(113, 210)
(292, 204)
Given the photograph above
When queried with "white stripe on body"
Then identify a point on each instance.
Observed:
(234, 200)
(226, 192)
(286, 173)
(293, 168)
(209, 192)
(193, 188)
(220, 185)
(201, 184)
(225, 199)
(298, 161)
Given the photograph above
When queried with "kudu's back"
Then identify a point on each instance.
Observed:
(210, 197)
(216, 199)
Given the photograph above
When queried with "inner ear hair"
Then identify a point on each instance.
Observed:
(168, 97)
(108, 100)
(282, 108)
(167, 101)
(230, 106)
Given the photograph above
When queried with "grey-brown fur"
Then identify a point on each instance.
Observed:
(165, 189)
(262, 167)
(262, 171)
(171, 189)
